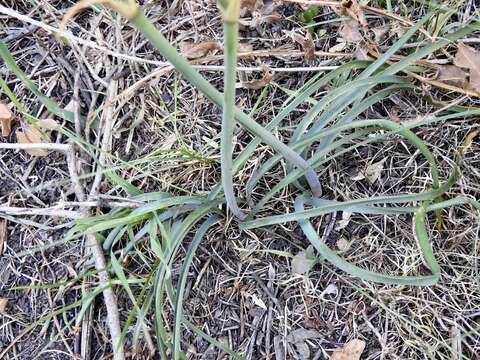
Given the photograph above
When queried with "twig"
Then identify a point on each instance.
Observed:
(47, 146)
(50, 211)
(110, 299)
(107, 121)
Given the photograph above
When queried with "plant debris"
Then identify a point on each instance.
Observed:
(350, 351)
(197, 50)
(350, 31)
(469, 58)
(3, 235)
(3, 306)
(6, 118)
(303, 261)
(453, 75)
(260, 83)
(33, 134)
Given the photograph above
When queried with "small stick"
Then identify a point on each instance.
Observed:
(50, 211)
(47, 146)
(113, 318)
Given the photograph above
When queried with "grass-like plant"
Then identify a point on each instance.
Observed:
(167, 220)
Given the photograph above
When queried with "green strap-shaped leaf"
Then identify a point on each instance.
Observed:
(354, 270)
(183, 280)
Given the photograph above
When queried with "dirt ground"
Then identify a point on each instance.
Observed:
(241, 289)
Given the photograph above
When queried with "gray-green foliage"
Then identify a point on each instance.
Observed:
(166, 220)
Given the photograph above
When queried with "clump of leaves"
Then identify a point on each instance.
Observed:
(166, 220)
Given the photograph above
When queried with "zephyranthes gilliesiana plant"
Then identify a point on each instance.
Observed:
(330, 116)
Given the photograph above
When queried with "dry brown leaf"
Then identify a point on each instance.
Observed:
(268, 7)
(349, 31)
(249, 6)
(374, 171)
(303, 261)
(3, 305)
(3, 235)
(307, 43)
(309, 47)
(33, 135)
(362, 53)
(195, 51)
(6, 118)
(381, 33)
(468, 57)
(260, 83)
(353, 9)
(245, 48)
(453, 75)
(338, 47)
(29, 136)
(350, 351)
(343, 244)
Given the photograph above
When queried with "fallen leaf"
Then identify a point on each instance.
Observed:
(349, 31)
(381, 33)
(28, 136)
(249, 6)
(468, 57)
(260, 83)
(353, 9)
(245, 48)
(362, 53)
(343, 244)
(3, 235)
(3, 305)
(303, 261)
(33, 135)
(331, 289)
(6, 118)
(374, 171)
(453, 75)
(195, 51)
(350, 351)
(309, 47)
(268, 7)
(338, 47)
(342, 224)
(298, 337)
(259, 302)
(307, 43)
